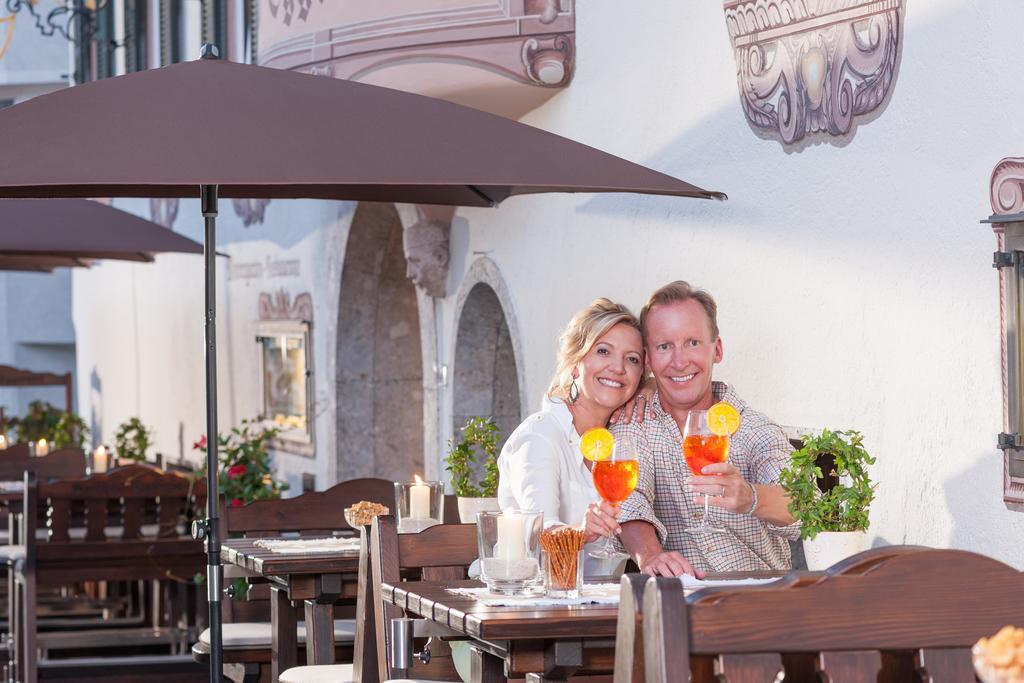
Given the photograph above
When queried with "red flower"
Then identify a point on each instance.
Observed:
(237, 470)
(201, 444)
(236, 502)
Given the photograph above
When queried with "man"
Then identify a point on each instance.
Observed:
(680, 329)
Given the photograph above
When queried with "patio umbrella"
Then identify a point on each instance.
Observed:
(209, 128)
(47, 234)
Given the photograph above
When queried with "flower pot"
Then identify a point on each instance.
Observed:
(468, 507)
(829, 547)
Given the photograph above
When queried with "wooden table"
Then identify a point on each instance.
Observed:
(555, 642)
(317, 579)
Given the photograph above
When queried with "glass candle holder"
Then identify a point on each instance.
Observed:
(418, 505)
(509, 547)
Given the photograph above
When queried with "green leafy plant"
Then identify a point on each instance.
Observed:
(40, 422)
(845, 506)
(70, 430)
(133, 439)
(245, 468)
(479, 435)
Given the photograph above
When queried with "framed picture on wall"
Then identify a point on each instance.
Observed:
(286, 380)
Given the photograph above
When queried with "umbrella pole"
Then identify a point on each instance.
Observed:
(208, 200)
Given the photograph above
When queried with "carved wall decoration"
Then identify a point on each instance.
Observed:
(811, 67)
(1007, 186)
(250, 210)
(426, 250)
(163, 211)
(280, 306)
(549, 61)
(287, 9)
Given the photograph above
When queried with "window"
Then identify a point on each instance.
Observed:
(285, 380)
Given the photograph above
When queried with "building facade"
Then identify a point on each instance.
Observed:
(855, 140)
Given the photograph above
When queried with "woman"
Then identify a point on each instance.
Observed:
(600, 364)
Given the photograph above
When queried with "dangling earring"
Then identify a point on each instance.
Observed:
(574, 391)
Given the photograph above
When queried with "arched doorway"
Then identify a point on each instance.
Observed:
(485, 377)
(379, 361)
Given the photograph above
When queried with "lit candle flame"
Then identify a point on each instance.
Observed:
(42, 447)
(419, 482)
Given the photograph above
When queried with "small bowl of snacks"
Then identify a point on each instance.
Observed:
(1000, 659)
(363, 513)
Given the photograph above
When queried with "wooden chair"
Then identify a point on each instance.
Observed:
(66, 463)
(247, 631)
(890, 615)
(438, 553)
(113, 545)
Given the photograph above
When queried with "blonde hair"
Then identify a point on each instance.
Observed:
(580, 335)
(680, 290)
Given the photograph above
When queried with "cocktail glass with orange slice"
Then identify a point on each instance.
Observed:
(615, 471)
(705, 442)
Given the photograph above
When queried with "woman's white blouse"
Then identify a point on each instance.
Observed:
(540, 468)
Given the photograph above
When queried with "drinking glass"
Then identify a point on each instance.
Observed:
(615, 479)
(701, 447)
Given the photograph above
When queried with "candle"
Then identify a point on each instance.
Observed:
(419, 500)
(100, 459)
(42, 448)
(511, 543)
(3, 442)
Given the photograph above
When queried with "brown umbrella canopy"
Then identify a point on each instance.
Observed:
(55, 233)
(260, 132)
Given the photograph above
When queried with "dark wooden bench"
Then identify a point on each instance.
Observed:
(113, 544)
(893, 615)
(247, 633)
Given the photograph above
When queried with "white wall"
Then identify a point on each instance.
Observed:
(854, 281)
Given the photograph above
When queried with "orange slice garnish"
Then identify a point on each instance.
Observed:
(723, 419)
(596, 444)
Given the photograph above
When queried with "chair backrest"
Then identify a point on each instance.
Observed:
(67, 463)
(314, 513)
(888, 614)
(120, 498)
(16, 450)
(629, 641)
(438, 553)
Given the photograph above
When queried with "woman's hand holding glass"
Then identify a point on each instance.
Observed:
(600, 521)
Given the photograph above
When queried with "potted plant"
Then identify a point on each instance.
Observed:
(40, 422)
(132, 440)
(245, 468)
(478, 449)
(831, 503)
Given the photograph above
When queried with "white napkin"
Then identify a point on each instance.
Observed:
(308, 545)
(592, 594)
(692, 584)
(12, 486)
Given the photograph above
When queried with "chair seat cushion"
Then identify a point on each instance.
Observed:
(330, 673)
(259, 634)
(10, 553)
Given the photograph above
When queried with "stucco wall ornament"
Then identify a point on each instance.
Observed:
(163, 211)
(426, 253)
(280, 306)
(250, 210)
(813, 66)
(549, 61)
(1007, 186)
(288, 7)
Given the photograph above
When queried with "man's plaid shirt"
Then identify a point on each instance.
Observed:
(759, 449)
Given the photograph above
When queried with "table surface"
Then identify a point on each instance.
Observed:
(467, 615)
(244, 553)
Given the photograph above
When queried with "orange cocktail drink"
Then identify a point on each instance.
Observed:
(615, 480)
(700, 450)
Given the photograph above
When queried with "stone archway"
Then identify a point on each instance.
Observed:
(485, 379)
(379, 357)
